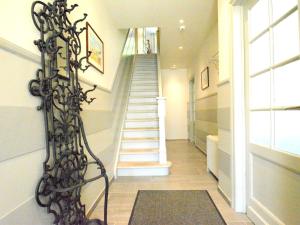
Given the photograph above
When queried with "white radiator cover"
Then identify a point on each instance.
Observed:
(212, 154)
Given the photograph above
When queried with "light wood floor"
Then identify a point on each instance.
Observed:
(188, 172)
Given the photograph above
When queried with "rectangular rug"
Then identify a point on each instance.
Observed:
(175, 208)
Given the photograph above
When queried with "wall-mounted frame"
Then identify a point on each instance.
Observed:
(94, 49)
(205, 78)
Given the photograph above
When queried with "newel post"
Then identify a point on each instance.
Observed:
(162, 129)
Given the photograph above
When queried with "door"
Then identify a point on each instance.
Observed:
(273, 111)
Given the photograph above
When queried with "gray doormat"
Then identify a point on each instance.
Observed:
(175, 208)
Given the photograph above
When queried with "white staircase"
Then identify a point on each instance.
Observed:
(143, 151)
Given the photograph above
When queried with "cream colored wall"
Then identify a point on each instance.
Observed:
(22, 127)
(175, 89)
(206, 100)
(21, 31)
(225, 29)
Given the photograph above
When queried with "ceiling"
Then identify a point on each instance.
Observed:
(198, 16)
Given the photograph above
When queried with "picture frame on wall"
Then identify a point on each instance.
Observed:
(205, 78)
(94, 49)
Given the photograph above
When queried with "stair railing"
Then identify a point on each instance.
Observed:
(161, 117)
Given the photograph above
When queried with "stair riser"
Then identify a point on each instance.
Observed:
(144, 72)
(139, 144)
(137, 88)
(141, 124)
(142, 100)
(141, 115)
(150, 66)
(143, 87)
(140, 134)
(142, 107)
(140, 157)
(143, 172)
(145, 77)
(144, 82)
(143, 93)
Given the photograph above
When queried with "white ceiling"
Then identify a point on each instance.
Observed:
(198, 16)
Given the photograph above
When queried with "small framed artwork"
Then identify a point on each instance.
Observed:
(94, 49)
(205, 78)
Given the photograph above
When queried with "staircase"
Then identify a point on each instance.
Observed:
(141, 152)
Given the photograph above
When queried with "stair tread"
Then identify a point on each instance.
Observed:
(150, 96)
(139, 151)
(143, 164)
(141, 139)
(140, 96)
(142, 103)
(142, 111)
(142, 119)
(144, 90)
(146, 84)
(140, 128)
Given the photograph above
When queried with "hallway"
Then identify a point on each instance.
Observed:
(188, 172)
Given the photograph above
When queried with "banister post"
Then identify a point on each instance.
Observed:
(162, 129)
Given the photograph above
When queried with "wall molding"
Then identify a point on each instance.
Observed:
(282, 159)
(226, 197)
(207, 96)
(18, 50)
(263, 216)
(29, 55)
(98, 199)
(223, 82)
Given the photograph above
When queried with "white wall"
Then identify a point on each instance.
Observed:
(225, 30)
(23, 152)
(206, 100)
(98, 17)
(175, 89)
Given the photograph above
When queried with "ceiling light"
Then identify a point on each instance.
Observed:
(182, 28)
(181, 21)
(180, 47)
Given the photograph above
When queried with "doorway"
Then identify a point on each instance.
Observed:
(191, 111)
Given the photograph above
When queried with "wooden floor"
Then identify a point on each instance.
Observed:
(188, 172)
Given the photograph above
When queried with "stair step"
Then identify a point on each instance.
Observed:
(142, 122)
(141, 119)
(140, 128)
(139, 133)
(140, 139)
(143, 168)
(143, 88)
(142, 100)
(141, 142)
(142, 164)
(139, 155)
(143, 93)
(139, 151)
(152, 106)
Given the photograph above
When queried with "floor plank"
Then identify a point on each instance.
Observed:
(188, 172)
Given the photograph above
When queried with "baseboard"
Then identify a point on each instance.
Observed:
(180, 139)
(255, 217)
(260, 214)
(202, 151)
(94, 205)
(227, 199)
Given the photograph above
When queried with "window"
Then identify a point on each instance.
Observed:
(274, 75)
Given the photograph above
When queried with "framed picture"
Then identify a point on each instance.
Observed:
(94, 49)
(205, 78)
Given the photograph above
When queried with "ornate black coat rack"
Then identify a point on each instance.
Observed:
(58, 87)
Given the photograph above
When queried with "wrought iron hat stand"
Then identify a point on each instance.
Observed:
(68, 155)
